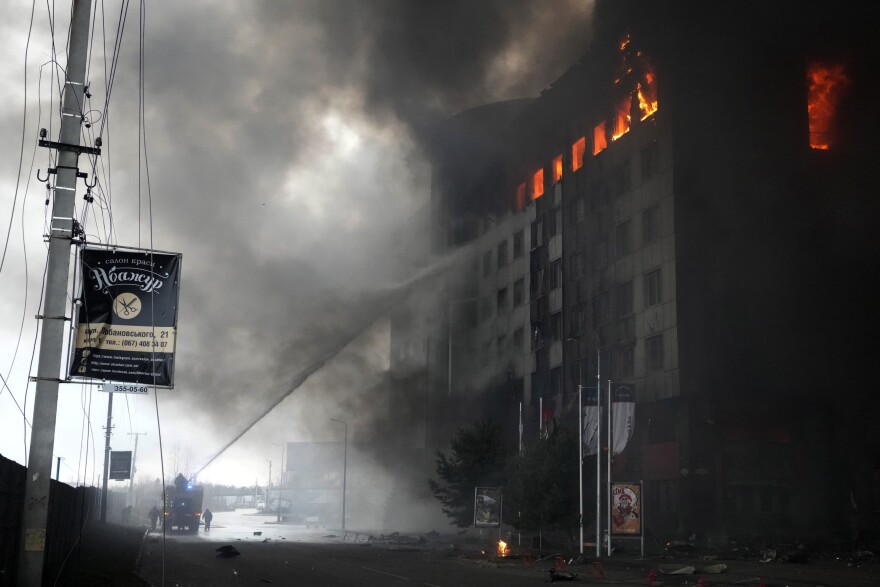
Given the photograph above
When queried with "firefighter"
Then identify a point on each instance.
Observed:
(207, 517)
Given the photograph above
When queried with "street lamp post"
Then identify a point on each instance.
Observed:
(344, 468)
(281, 481)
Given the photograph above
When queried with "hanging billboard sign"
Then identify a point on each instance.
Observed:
(127, 319)
(120, 465)
(626, 509)
(487, 507)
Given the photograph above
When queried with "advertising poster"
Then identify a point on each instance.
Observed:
(626, 509)
(120, 465)
(127, 317)
(487, 507)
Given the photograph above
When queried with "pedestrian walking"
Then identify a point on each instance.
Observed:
(207, 517)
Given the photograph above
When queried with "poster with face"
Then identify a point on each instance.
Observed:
(487, 507)
(626, 509)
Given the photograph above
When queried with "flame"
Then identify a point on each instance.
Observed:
(622, 118)
(557, 169)
(827, 84)
(577, 153)
(538, 184)
(648, 93)
(600, 143)
(503, 550)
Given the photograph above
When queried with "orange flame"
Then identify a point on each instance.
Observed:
(503, 550)
(521, 196)
(557, 169)
(538, 184)
(648, 94)
(577, 153)
(827, 84)
(600, 143)
(622, 118)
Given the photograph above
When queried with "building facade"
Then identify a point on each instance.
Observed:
(689, 211)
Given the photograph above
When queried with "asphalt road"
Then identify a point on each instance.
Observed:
(294, 555)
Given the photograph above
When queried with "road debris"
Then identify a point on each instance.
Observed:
(227, 551)
(561, 575)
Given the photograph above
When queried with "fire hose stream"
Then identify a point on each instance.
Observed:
(392, 297)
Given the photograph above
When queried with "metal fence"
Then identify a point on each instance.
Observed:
(69, 511)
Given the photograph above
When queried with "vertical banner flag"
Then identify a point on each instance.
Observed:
(487, 507)
(623, 398)
(626, 509)
(127, 319)
(592, 413)
(120, 465)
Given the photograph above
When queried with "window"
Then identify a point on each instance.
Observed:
(487, 263)
(537, 234)
(502, 254)
(624, 299)
(577, 153)
(502, 299)
(555, 382)
(556, 273)
(620, 183)
(650, 161)
(486, 308)
(538, 184)
(553, 224)
(625, 362)
(578, 320)
(650, 224)
(600, 140)
(557, 169)
(538, 336)
(556, 326)
(501, 346)
(827, 83)
(518, 292)
(577, 264)
(579, 209)
(600, 253)
(626, 329)
(623, 238)
(521, 196)
(518, 245)
(654, 353)
(598, 194)
(518, 338)
(653, 288)
(622, 117)
(600, 309)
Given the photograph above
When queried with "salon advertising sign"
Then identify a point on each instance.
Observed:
(127, 318)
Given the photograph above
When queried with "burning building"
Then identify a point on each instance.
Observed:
(688, 210)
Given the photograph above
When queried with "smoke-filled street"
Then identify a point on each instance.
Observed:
(295, 555)
(285, 554)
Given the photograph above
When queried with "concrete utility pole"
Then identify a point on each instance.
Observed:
(35, 510)
(109, 431)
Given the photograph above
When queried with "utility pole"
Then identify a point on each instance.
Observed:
(109, 431)
(134, 457)
(35, 510)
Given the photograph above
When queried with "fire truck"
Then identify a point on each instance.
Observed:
(183, 506)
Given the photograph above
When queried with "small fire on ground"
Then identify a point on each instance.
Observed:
(503, 549)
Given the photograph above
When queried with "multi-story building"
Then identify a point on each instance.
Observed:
(688, 210)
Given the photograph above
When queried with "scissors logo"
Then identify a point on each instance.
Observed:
(127, 306)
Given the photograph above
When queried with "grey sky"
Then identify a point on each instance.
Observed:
(283, 143)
